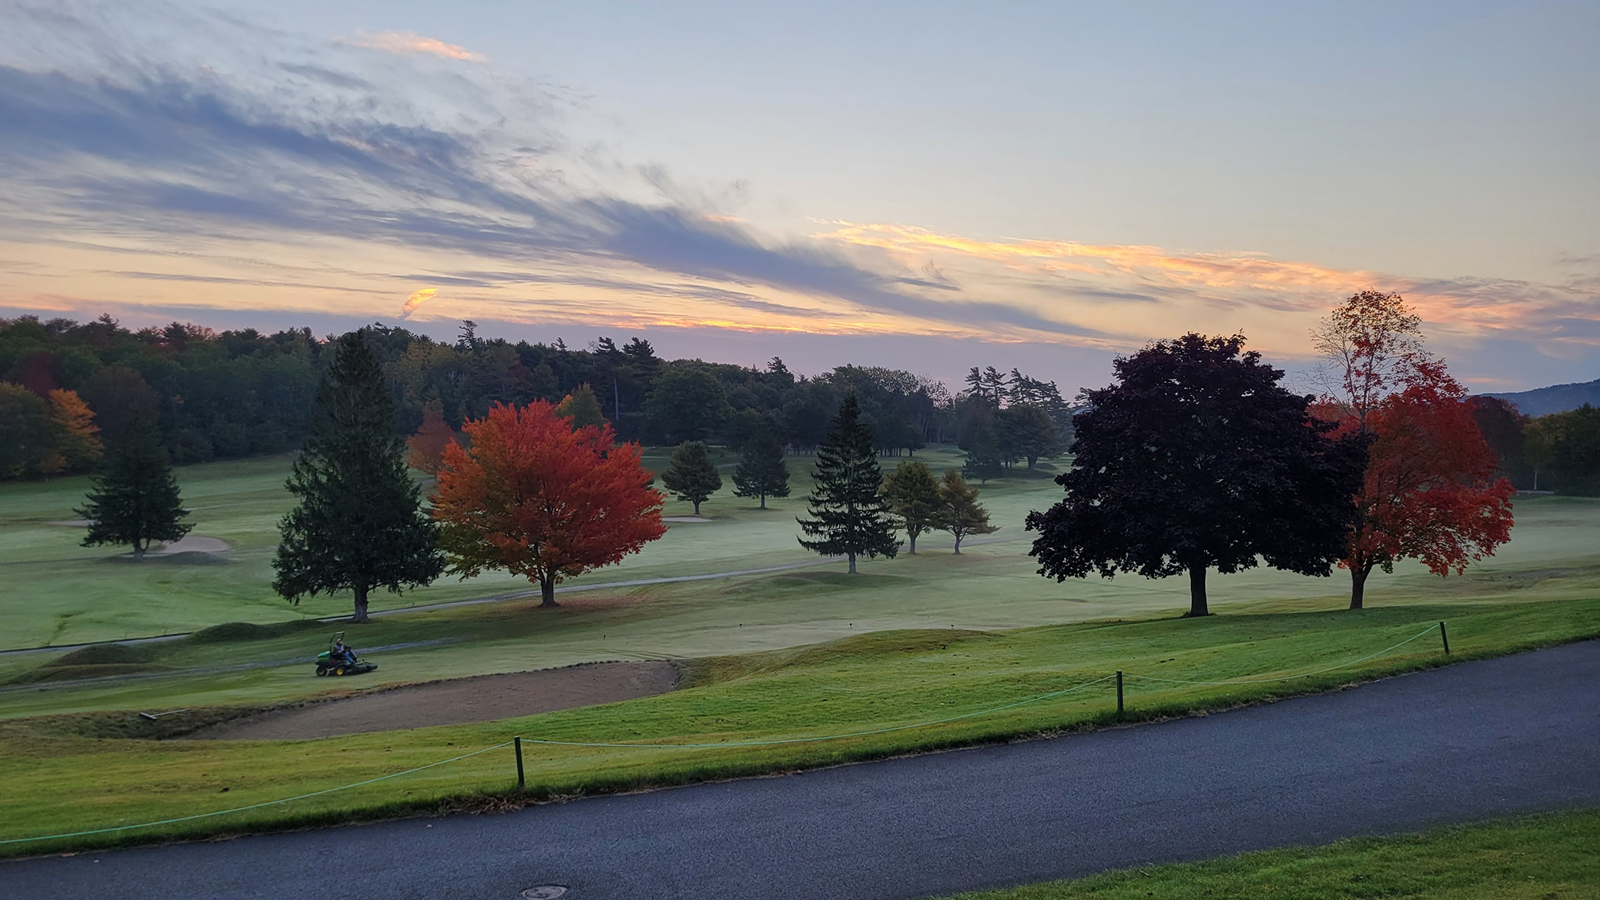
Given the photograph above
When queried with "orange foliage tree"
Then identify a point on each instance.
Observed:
(538, 498)
(1430, 491)
(78, 439)
(425, 449)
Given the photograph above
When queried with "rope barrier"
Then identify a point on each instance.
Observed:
(701, 746)
(1288, 677)
(223, 812)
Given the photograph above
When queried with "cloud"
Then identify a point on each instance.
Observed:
(416, 299)
(341, 174)
(401, 42)
(309, 141)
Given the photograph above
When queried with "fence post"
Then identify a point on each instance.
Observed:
(517, 743)
(1119, 693)
(1444, 637)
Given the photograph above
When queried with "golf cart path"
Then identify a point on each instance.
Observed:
(1467, 742)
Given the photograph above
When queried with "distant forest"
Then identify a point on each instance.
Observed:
(65, 385)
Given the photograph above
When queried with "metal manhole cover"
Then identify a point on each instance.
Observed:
(544, 892)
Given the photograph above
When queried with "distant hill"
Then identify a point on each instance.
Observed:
(1555, 398)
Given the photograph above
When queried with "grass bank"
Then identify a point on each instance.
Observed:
(74, 773)
(1546, 857)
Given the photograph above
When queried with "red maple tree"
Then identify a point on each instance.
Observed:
(1430, 491)
(426, 447)
(538, 498)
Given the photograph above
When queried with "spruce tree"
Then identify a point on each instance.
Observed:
(134, 498)
(913, 495)
(762, 471)
(960, 512)
(985, 459)
(850, 517)
(691, 475)
(359, 524)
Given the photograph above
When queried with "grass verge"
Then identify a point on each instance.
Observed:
(59, 774)
(1544, 857)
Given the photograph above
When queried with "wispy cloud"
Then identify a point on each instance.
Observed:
(162, 155)
(411, 42)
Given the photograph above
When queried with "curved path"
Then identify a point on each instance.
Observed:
(1471, 741)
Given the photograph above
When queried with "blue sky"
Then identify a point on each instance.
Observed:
(928, 186)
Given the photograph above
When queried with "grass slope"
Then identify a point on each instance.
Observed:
(69, 773)
(1548, 857)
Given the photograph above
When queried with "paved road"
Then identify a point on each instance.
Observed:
(1472, 741)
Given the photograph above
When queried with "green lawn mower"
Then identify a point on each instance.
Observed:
(340, 659)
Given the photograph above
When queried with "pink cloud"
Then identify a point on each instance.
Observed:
(403, 42)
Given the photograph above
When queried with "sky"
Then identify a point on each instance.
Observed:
(926, 186)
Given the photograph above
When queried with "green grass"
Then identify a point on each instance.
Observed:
(1547, 857)
(804, 652)
(66, 773)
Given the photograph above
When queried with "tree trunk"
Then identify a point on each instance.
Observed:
(547, 591)
(913, 550)
(958, 543)
(138, 550)
(1197, 593)
(1358, 585)
(852, 563)
(360, 616)
(763, 501)
(697, 507)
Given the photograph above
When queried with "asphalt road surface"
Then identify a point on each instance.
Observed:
(1472, 741)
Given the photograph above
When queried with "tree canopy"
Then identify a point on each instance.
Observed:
(540, 499)
(913, 497)
(134, 500)
(691, 475)
(960, 513)
(1430, 490)
(849, 517)
(1196, 459)
(358, 523)
(762, 470)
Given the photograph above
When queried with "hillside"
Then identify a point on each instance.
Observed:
(1555, 398)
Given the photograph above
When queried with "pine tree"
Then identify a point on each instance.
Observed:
(850, 517)
(359, 523)
(985, 459)
(914, 498)
(691, 475)
(762, 472)
(134, 499)
(960, 512)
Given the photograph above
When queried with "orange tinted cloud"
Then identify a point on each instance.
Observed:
(402, 42)
(416, 299)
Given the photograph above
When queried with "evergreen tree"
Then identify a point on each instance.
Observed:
(850, 516)
(985, 459)
(914, 498)
(762, 472)
(959, 510)
(691, 475)
(134, 499)
(359, 523)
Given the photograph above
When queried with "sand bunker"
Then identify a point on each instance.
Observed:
(193, 543)
(684, 519)
(485, 698)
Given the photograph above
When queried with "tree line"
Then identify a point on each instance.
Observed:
(66, 387)
(532, 490)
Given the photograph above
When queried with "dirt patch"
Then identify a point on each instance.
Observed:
(684, 519)
(194, 543)
(485, 698)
